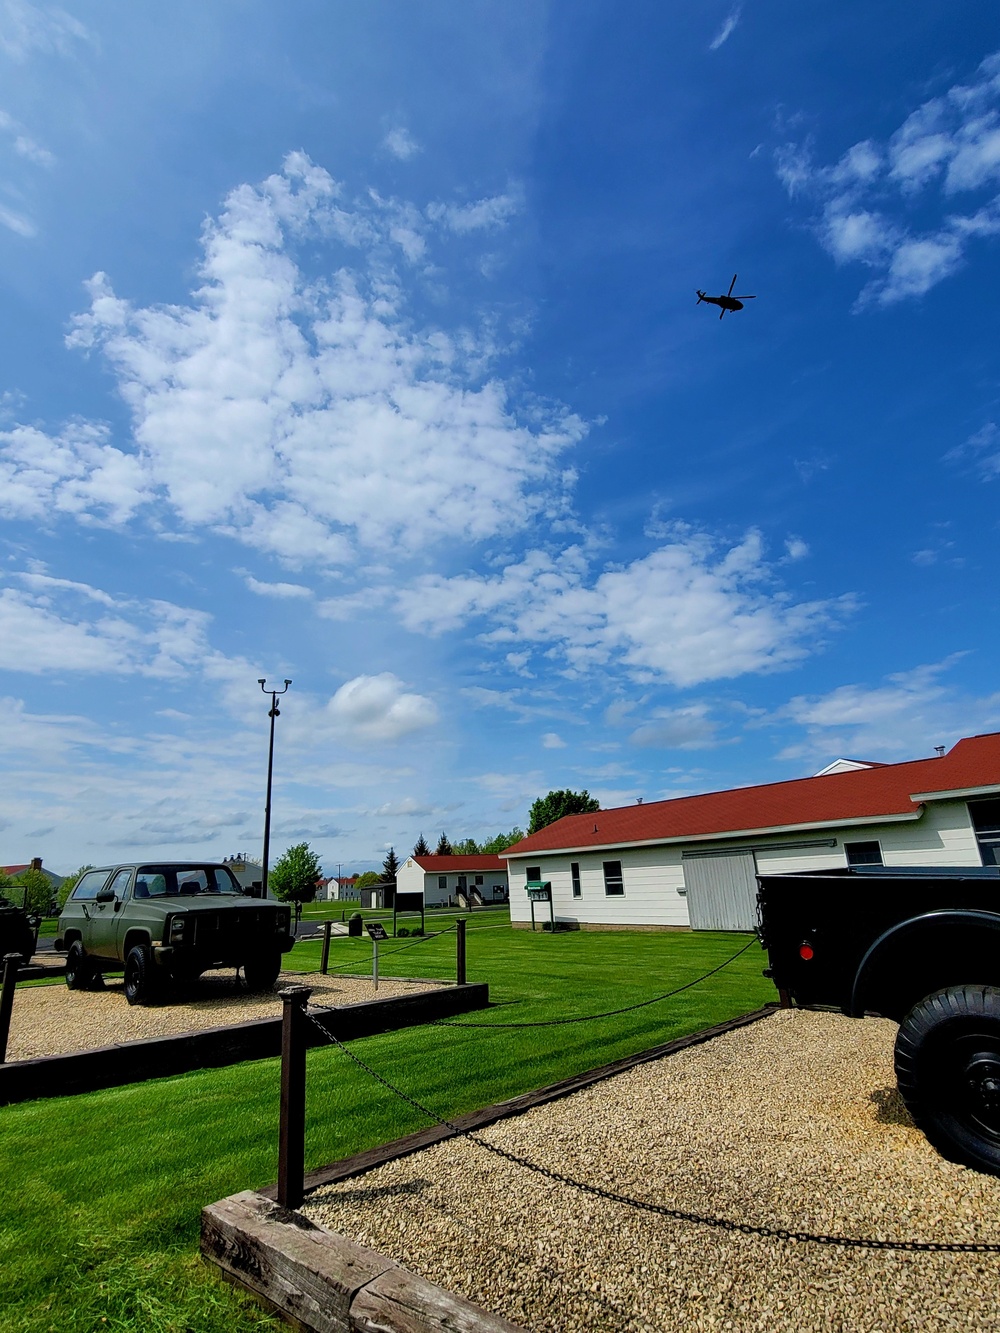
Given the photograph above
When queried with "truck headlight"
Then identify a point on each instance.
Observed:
(176, 933)
(281, 921)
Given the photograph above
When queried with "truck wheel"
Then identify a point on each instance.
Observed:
(81, 974)
(261, 973)
(948, 1071)
(141, 982)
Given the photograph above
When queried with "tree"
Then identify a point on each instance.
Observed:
(389, 866)
(444, 846)
(295, 875)
(367, 880)
(70, 883)
(547, 809)
(467, 847)
(421, 848)
(38, 890)
(502, 840)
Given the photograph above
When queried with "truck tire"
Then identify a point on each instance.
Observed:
(261, 973)
(142, 985)
(81, 974)
(948, 1072)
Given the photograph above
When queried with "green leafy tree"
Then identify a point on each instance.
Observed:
(390, 866)
(6, 883)
(38, 891)
(421, 848)
(444, 846)
(556, 805)
(467, 847)
(368, 880)
(70, 883)
(296, 874)
(502, 840)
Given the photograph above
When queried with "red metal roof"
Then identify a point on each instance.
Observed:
(864, 793)
(439, 864)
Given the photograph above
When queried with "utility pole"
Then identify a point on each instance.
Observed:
(275, 712)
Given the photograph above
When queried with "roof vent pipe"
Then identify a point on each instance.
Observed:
(939, 751)
(638, 800)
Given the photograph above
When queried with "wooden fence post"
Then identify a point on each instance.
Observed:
(292, 1118)
(460, 951)
(11, 964)
(324, 961)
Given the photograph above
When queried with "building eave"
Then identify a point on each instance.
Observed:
(990, 789)
(742, 834)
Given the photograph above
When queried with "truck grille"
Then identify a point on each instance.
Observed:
(224, 934)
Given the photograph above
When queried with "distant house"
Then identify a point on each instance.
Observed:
(34, 864)
(444, 879)
(343, 889)
(692, 862)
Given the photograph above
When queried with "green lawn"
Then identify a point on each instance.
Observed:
(101, 1193)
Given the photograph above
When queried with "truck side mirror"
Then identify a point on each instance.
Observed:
(105, 896)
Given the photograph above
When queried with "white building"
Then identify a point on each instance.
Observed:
(480, 879)
(692, 861)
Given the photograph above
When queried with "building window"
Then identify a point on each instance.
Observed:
(985, 816)
(533, 872)
(614, 885)
(442, 881)
(479, 879)
(863, 853)
(574, 870)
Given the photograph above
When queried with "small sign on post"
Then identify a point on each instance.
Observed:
(540, 891)
(377, 932)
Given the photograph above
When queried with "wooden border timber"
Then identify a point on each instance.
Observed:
(325, 1283)
(213, 1048)
(489, 1115)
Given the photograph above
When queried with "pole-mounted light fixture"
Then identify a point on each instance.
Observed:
(275, 712)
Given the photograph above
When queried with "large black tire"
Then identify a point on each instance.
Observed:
(142, 984)
(261, 973)
(81, 971)
(948, 1071)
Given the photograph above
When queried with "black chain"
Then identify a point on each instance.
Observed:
(659, 1209)
(609, 1013)
(389, 953)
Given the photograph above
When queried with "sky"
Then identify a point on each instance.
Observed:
(356, 342)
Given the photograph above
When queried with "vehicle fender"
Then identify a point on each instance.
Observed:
(133, 938)
(946, 924)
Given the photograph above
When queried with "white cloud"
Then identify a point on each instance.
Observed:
(17, 223)
(282, 590)
(300, 416)
(687, 613)
(482, 215)
(690, 728)
(24, 145)
(874, 201)
(377, 708)
(980, 452)
(907, 715)
(796, 548)
(400, 143)
(727, 29)
(25, 27)
(551, 741)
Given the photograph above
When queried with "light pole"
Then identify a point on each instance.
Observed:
(275, 712)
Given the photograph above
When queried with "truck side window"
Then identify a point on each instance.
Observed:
(863, 853)
(90, 885)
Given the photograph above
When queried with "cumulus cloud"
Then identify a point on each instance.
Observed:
(552, 741)
(280, 590)
(303, 416)
(874, 202)
(689, 612)
(400, 143)
(482, 215)
(689, 728)
(378, 708)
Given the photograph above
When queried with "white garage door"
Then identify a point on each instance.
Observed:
(721, 891)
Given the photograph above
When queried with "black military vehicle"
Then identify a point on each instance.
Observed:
(917, 945)
(18, 931)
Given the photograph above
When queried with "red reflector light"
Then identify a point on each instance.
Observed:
(805, 951)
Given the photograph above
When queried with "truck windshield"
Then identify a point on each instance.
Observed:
(183, 881)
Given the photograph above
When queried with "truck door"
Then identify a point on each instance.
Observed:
(99, 936)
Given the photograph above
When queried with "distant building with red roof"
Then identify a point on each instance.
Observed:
(444, 879)
(692, 861)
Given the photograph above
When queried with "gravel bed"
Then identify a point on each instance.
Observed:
(51, 1019)
(792, 1122)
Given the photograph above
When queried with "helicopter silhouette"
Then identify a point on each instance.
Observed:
(727, 302)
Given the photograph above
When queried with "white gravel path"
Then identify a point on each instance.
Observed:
(793, 1122)
(51, 1019)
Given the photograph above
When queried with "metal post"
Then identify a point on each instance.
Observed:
(460, 951)
(375, 963)
(11, 964)
(324, 961)
(292, 1119)
(275, 712)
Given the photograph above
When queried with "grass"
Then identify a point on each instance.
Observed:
(102, 1192)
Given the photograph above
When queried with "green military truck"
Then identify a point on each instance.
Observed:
(168, 921)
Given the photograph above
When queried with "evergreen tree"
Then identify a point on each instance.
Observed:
(295, 875)
(421, 849)
(390, 866)
(444, 846)
(557, 804)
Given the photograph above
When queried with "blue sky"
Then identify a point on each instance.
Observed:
(357, 343)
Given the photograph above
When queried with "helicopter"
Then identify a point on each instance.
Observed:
(727, 302)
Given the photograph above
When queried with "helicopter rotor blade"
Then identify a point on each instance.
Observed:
(744, 298)
(722, 312)
(732, 285)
